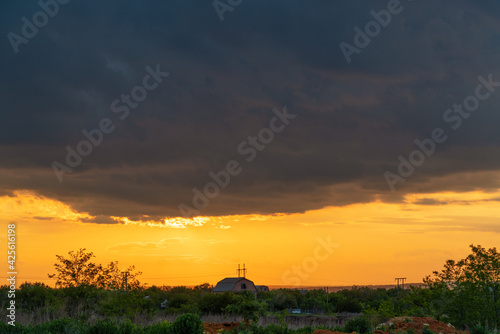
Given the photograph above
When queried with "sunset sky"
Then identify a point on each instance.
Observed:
(318, 142)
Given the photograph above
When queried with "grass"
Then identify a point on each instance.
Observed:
(43, 315)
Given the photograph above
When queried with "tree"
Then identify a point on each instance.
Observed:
(247, 306)
(188, 323)
(471, 288)
(78, 270)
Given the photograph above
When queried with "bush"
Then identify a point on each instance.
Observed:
(32, 296)
(359, 325)
(64, 326)
(127, 327)
(188, 323)
(103, 327)
(215, 303)
(427, 330)
(158, 328)
(8, 329)
(349, 305)
(478, 329)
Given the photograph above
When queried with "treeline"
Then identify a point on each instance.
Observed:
(85, 300)
(90, 302)
(465, 293)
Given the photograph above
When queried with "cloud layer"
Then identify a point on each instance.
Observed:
(353, 122)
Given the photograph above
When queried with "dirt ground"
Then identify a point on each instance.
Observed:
(324, 331)
(212, 328)
(402, 324)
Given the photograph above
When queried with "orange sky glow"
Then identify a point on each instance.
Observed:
(358, 244)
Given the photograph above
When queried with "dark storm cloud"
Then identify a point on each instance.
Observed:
(225, 78)
(100, 220)
(429, 201)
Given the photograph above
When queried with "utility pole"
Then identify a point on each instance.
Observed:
(402, 280)
(124, 280)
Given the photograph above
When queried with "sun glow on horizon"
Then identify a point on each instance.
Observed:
(376, 241)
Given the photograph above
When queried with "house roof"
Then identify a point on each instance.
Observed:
(227, 284)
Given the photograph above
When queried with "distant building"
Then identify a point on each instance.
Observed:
(262, 288)
(235, 284)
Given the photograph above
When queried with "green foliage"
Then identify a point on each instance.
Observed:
(387, 310)
(247, 306)
(274, 329)
(62, 326)
(359, 325)
(178, 299)
(80, 302)
(120, 303)
(31, 296)
(468, 291)
(158, 328)
(349, 305)
(269, 329)
(215, 303)
(127, 327)
(8, 329)
(427, 330)
(478, 329)
(465, 293)
(281, 299)
(188, 323)
(282, 319)
(103, 327)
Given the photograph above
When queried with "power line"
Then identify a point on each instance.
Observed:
(192, 276)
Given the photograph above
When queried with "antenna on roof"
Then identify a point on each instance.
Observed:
(244, 271)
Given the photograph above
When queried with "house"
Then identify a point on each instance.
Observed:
(262, 288)
(235, 284)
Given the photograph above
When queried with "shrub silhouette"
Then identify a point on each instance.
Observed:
(188, 323)
(360, 325)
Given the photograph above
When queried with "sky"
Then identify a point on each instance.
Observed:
(318, 142)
